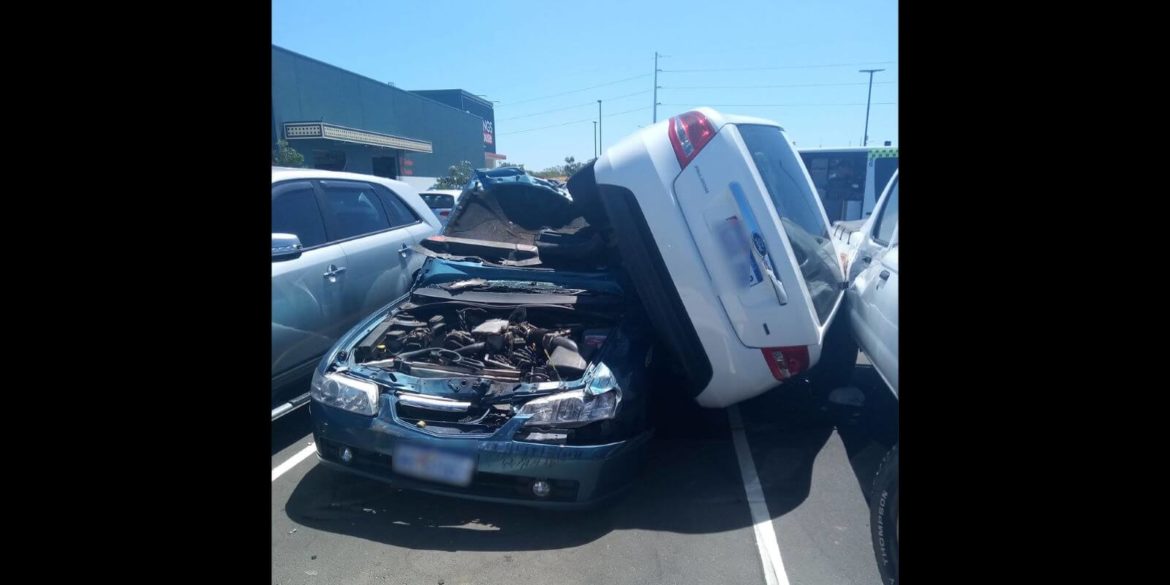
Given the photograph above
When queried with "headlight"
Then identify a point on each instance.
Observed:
(345, 393)
(597, 401)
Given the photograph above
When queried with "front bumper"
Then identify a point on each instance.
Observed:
(580, 476)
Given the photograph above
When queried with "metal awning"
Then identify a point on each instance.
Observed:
(324, 131)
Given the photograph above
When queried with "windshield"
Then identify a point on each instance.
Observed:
(438, 200)
(795, 202)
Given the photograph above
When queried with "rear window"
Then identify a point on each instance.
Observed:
(795, 201)
(438, 200)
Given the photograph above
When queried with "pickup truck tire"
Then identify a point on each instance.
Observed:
(838, 357)
(883, 521)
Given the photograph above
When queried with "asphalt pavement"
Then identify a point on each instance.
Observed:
(688, 518)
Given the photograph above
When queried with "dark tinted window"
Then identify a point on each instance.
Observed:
(839, 178)
(295, 211)
(885, 225)
(438, 200)
(799, 213)
(883, 169)
(355, 210)
(400, 213)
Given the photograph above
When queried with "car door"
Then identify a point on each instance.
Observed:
(882, 306)
(872, 296)
(868, 247)
(306, 302)
(377, 244)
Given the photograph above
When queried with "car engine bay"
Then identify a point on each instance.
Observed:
(512, 344)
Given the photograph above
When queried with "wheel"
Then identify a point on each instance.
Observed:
(883, 519)
(838, 357)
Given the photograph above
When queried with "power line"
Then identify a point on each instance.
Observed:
(547, 127)
(773, 86)
(576, 90)
(778, 67)
(643, 92)
(574, 121)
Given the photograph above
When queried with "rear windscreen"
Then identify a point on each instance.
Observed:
(795, 202)
(438, 200)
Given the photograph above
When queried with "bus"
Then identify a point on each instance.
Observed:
(849, 180)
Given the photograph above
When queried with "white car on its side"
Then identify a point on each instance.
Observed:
(727, 243)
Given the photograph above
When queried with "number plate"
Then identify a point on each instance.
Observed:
(433, 464)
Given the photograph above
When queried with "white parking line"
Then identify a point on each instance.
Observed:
(761, 520)
(279, 470)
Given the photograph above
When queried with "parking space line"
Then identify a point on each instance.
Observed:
(761, 520)
(292, 462)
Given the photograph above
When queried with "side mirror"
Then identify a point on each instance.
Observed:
(286, 246)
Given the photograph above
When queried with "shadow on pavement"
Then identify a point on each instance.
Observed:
(869, 433)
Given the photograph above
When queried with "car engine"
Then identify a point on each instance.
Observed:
(517, 345)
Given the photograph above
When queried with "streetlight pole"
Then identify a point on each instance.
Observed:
(865, 135)
(595, 139)
(600, 144)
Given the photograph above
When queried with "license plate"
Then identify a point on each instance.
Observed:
(433, 464)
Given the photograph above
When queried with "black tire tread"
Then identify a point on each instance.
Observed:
(883, 512)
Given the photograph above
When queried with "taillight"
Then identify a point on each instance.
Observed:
(444, 213)
(689, 133)
(786, 362)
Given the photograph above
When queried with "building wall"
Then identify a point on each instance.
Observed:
(468, 102)
(305, 89)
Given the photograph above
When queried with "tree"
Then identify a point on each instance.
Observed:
(287, 156)
(508, 164)
(457, 176)
(572, 166)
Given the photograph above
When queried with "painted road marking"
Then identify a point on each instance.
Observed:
(280, 470)
(761, 520)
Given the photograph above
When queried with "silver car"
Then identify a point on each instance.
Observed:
(341, 248)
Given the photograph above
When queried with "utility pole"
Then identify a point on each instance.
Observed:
(865, 135)
(600, 144)
(656, 88)
(595, 139)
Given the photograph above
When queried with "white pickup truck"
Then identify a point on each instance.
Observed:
(871, 306)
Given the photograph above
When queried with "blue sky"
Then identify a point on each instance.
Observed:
(523, 53)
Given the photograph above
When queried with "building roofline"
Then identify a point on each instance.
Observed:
(382, 83)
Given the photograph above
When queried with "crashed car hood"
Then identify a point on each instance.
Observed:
(526, 214)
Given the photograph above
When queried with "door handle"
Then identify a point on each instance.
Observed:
(404, 251)
(885, 275)
(867, 259)
(333, 272)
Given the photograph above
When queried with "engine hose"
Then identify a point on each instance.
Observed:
(455, 357)
(559, 341)
(499, 364)
(471, 348)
